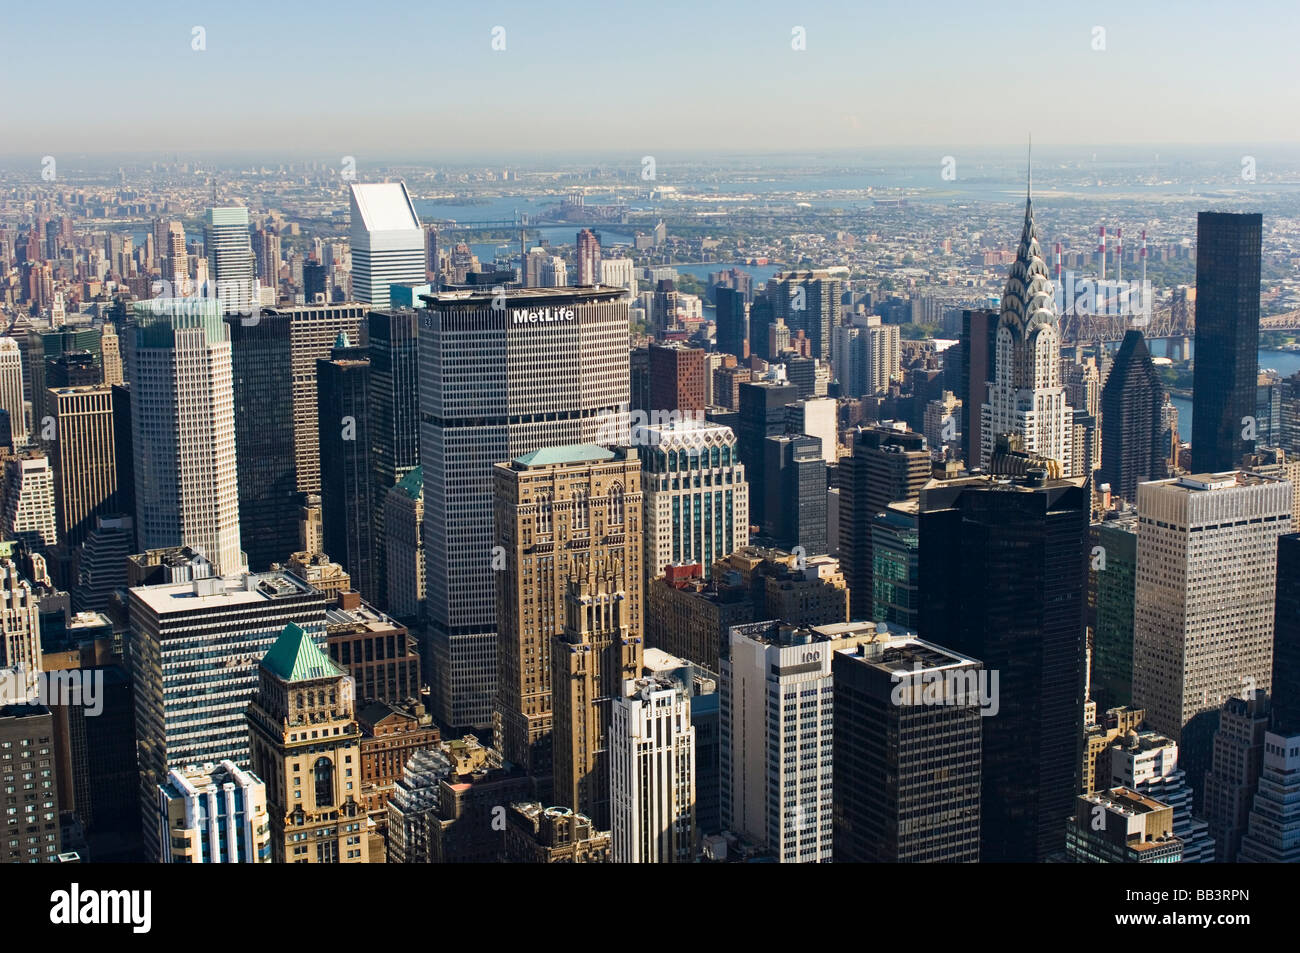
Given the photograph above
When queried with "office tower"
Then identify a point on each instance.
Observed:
(1203, 619)
(444, 807)
(1113, 574)
(762, 415)
(1147, 762)
(210, 631)
(761, 320)
(102, 566)
(313, 331)
(29, 513)
(1025, 395)
(777, 735)
(549, 369)
(552, 835)
(432, 257)
(907, 751)
(1272, 833)
(1228, 248)
(347, 477)
(1234, 774)
(26, 735)
(1003, 573)
(264, 438)
(380, 655)
(558, 512)
(869, 356)
(268, 258)
(810, 375)
(214, 814)
(84, 463)
(403, 545)
(1133, 447)
(795, 474)
(808, 301)
(1120, 826)
(588, 257)
(169, 240)
(315, 284)
(394, 410)
(387, 241)
(889, 463)
(652, 773)
(69, 369)
(1286, 636)
(231, 264)
(695, 495)
(11, 389)
(733, 323)
(20, 631)
(183, 429)
(942, 419)
(1289, 415)
(599, 649)
(1099, 735)
(700, 686)
(816, 417)
(678, 379)
(895, 566)
(111, 355)
(304, 739)
(531, 266)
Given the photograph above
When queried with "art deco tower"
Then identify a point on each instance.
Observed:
(1025, 395)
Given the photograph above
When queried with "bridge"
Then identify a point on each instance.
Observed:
(1170, 323)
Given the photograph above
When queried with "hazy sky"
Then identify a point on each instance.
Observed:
(650, 77)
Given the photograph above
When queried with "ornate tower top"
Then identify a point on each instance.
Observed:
(1029, 297)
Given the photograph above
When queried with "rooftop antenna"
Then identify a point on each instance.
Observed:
(1029, 190)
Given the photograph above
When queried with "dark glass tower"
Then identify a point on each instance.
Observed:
(1286, 637)
(796, 493)
(394, 415)
(979, 331)
(347, 478)
(762, 415)
(887, 466)
(1227, 338)
(1133, 449)
(1003, 568)
(733, 322)
(264, 445)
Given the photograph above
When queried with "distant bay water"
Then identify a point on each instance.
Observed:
(1285, 363)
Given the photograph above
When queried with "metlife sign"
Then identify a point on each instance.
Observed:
(540, 315)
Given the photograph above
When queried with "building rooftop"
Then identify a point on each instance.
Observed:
(384, 206)
(572, 453)
(295, 657)
(218, 592)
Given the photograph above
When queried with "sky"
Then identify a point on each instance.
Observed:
(579, 77)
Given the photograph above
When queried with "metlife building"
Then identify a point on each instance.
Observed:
(503, 372)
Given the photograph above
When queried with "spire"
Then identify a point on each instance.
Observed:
(1029, 189)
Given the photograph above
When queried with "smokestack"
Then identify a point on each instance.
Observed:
(1101, 250)
(1142, 254)
(1119, 253)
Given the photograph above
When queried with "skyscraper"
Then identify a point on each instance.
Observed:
(599, 649)
(261, 353)
(796, 494)
(11, 389)
(347, 477)
(1133, 446)
(20, 631)
(394, 409)
(762, 415)
(733, 322)
(652, 773)
(30, 514)
(907, 752)
(183, 429)
(304, 739)
(1286, 636)
(26, 730)
(588, 256)
(889, 464)
(979, 331)
(1228, 248)
(110, 351)
(387, 241)
(696, 497)
(1235, 768)
(678, 378)
(403, 544)
(215, 814)
(557, 512)
(808, 301)
(1003, 572)
(1113, 574)
(231, 264)
(85, 467)
(1203, 619)
(549, 369)
(1025, 395)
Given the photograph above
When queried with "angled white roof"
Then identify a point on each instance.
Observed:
(383, 207)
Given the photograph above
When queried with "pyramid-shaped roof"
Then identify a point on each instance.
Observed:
(296, 657)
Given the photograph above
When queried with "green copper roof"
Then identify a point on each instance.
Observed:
(573, 453)
(412, 483)
(295, 657)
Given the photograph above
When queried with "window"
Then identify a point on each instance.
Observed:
(324, 782)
